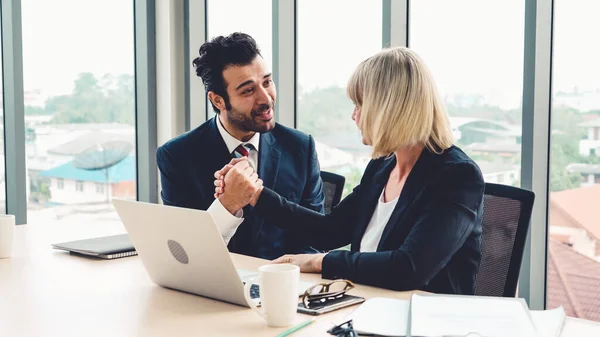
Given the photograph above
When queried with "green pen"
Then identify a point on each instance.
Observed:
(296, 328)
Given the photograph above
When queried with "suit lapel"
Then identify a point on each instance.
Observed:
(268, 168)
(268, 161)
(416, 181)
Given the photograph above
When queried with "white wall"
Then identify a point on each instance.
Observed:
(585, 145)
(69, 195)
(588, 180)
(591, 134)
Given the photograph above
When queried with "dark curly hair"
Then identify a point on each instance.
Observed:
(237, 49)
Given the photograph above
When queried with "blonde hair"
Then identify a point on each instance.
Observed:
(399, 103)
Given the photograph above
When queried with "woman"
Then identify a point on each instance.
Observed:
(414, 221)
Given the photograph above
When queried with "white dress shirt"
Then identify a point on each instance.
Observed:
(381, 216)
(232, 143)
(227, 223)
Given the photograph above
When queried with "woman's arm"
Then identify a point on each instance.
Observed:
(324, 232)
(438, 233)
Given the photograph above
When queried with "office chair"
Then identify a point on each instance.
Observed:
(333, 186)
(506, 216)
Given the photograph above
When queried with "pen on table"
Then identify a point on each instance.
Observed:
(295, 328)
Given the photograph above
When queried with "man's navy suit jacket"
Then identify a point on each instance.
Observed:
(287, 164)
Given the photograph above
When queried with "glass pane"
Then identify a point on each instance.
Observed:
(78, 60)
(574, 232)
(250, 17)
(475, 51)
(327, 56)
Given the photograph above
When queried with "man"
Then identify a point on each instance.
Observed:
(242, 93)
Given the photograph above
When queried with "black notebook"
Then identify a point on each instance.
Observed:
(107, 247)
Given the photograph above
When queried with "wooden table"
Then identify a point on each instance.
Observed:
(45, 292)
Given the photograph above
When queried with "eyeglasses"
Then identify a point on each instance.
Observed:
(322, 292)
(343, 330)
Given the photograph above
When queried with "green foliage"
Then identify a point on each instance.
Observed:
(35, 110)
(485, 111)
(564, 151)
(110, 99)
(352, 180)
(39, 191)
(565, 148)
(325, 111)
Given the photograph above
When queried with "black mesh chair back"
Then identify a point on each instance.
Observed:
(333, 186)
(506, 216)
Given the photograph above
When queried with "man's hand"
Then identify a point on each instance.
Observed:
(308, 263)
(220, 174)
(242, 185)
(221, 181)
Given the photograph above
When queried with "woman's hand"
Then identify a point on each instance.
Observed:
(308, 263)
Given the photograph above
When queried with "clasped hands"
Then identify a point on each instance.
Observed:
(243, 185)
(237, 185)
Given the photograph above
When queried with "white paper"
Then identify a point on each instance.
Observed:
(382, 317)
(453, 315)
(575, 327)
(548, 323)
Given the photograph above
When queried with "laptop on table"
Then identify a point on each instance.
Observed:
(182, 249)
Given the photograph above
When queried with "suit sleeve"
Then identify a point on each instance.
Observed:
(174, 191)
(312, 196)
(447, 220)
(324, 232)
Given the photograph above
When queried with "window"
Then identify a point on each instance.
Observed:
(251, 17)
(574, 230)
(326, 59)
(78, 61)
(475, 52)
(79, 186)
(99, 188)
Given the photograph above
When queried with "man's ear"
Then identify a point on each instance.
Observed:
(217, 100)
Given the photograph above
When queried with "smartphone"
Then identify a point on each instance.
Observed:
(330, 305)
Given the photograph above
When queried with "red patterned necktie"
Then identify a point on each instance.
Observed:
(241, 151)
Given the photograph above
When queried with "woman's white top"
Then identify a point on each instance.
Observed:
(381, 216)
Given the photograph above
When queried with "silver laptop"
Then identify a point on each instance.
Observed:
(182, 249)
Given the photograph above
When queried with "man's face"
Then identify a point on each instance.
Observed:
(252, 96)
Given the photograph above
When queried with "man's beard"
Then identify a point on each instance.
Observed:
(251, 124)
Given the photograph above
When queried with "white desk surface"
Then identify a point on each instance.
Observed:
(46, 292)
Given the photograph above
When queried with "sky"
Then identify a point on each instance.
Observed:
(471, 46)
(62, 38)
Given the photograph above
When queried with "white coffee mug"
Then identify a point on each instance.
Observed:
(278, 293)
(7, 235)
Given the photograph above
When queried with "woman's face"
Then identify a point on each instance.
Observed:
(356, 114)
(356, 119)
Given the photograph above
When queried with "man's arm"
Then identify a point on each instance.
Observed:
(312, 196)
(176, 193)
(227, 224)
